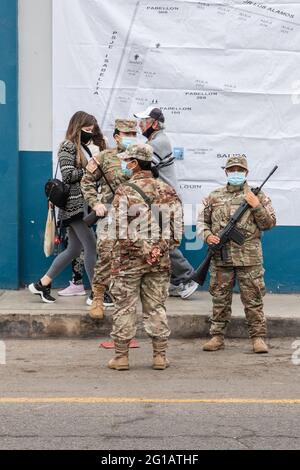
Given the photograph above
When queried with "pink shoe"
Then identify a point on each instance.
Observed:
(73, 289)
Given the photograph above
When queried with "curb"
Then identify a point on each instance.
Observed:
(55, 325)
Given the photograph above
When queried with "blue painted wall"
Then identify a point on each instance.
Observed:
(281, 259)
(35, 170)
(9, 157)
(281, 245)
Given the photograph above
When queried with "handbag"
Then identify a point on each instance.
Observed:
(57, 192)
(50, 233)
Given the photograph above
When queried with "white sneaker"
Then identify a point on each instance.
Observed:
(72, 290)
(89, 300)
(186, 290)
(174, 291)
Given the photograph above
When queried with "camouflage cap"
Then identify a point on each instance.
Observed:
(126, 125)
(143, 152)
(237, 160)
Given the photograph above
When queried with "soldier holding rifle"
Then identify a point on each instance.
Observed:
(240, 259)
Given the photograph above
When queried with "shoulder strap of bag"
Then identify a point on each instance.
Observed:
(56, 171)
(86, 148)
(103, 174)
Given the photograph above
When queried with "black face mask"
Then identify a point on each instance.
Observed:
(86, 137)
(148, 133)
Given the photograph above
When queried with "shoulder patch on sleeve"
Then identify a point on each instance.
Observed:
(92, 165)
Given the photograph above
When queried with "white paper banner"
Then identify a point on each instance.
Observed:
(226, 74)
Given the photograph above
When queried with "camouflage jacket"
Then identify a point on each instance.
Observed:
(111, 166)
(137, 228)
(217, 209)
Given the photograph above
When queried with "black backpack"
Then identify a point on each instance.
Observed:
(57, 192)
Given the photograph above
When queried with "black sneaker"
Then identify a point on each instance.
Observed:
(43, 291)
(108, 302)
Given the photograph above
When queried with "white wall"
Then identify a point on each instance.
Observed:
(35, 75)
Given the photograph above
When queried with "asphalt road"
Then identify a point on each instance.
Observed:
(59, 394)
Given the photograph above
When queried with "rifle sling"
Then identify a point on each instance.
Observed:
(103, 175)
(147, 200)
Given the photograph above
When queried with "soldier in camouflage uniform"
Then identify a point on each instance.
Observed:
(141, 262)
(244, 263)
(106, 162)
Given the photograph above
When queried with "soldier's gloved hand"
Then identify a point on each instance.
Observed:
(100, 210)
(213, 240)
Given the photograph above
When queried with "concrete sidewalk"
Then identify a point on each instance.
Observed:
(24, 316)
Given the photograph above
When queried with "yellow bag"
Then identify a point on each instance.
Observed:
(49, 240)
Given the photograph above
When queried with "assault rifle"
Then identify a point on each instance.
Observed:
(229, 233)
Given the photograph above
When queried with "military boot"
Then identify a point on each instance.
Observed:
(160, 362)
(97, 309)
(215, 343)
(120, 361)
(259, 346)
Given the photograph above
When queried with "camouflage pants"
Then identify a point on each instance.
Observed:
(153, 288)
(78, 269)
(77, 265)
(252, 290)
(102, 271)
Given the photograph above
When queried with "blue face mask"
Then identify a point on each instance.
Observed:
(127, 141)
(126, 171)
(236, 178)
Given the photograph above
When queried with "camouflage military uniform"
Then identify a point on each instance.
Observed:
(110, 164)
(244, 263)
(141, 265)
(78, 263)
(78, 270)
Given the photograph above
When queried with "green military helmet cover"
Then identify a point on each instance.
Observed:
(143, 152)
(237, 160)
(126, 125)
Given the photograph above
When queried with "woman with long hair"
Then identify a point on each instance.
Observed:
(76, 287)
(73, 157)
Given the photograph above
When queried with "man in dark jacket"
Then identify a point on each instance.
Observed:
(152, 125)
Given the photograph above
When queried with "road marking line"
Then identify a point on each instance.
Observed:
(105, 400)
